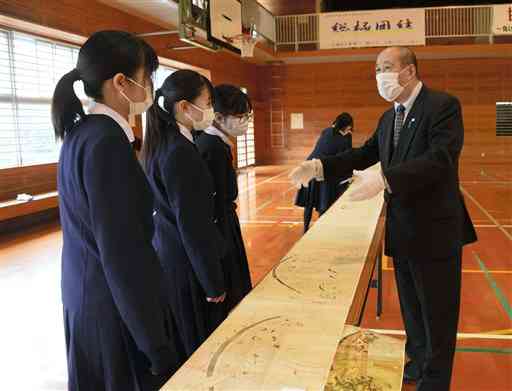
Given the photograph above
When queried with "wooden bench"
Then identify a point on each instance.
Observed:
(13, 208)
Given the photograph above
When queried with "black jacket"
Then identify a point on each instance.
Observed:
(112, 281)
(321, 195)
(426, 214)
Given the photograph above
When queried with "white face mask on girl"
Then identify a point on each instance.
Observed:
(137, 108)
(234, 126)
(389, 86)
(207, 120)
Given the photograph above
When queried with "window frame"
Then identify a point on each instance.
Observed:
(248, 147)
(15, 100)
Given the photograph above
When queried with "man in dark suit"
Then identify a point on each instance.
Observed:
(418, 143)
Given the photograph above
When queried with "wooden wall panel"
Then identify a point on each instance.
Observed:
(32, 180)
(322, 91)
(84, 17)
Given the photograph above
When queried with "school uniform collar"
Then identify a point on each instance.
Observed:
(100, 108)
(213, 131)
(186, 133)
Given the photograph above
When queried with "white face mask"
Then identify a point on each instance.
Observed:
(137, 108)
(389, 86)
(207, 120)
(235, 126)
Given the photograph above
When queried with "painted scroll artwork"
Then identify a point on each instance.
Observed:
(367, 361)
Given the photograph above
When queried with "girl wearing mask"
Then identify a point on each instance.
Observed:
(119, 331)
(321, 195)
(188, 243)
(233, 111)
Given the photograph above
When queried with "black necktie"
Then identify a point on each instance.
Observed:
(399, 122)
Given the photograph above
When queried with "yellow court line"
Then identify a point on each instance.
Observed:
(498, 334)
(386, 266)
(467, 271)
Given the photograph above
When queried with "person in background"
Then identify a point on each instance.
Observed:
(187, 240)
(418, 142)
(233, 111)
(320, 195)
(119, 329)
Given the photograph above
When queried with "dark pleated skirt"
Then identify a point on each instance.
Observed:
(195, 318)
(236, 265)
(102, 355)
(319, 195)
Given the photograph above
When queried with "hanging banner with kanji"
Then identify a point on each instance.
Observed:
(372, 28)
(502, 24)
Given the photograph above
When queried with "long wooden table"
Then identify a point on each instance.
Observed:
(285, 333)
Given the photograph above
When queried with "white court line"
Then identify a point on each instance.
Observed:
(269, 222)
(466, 193)
(271, 200)
(258, 222)
(459, 335)
(263, 182)
(265, 204)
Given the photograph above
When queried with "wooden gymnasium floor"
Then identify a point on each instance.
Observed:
(32, 339)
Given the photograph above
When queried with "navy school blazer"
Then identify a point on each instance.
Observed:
(108, 262)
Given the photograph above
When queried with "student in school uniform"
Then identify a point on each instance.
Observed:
(321, 195)
(187, 240)
(119, 327)
(233, 111)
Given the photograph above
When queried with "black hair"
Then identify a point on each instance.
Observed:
(161, 125)
(231, 100)
(341, 122)
(102, 56)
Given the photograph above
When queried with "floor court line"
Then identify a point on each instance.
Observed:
(484, 350)
(459, 335)
(386, 267)
(494, 286)
(253, 186)
(491, 226)
(269, 222)
(494, 221)
(265, 204)
(468, 271)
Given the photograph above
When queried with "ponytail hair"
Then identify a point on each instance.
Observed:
(103, 55)
(161, 125)
(66, 107)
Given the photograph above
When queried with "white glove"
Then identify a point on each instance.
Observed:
(368, 184)
(308, 170)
